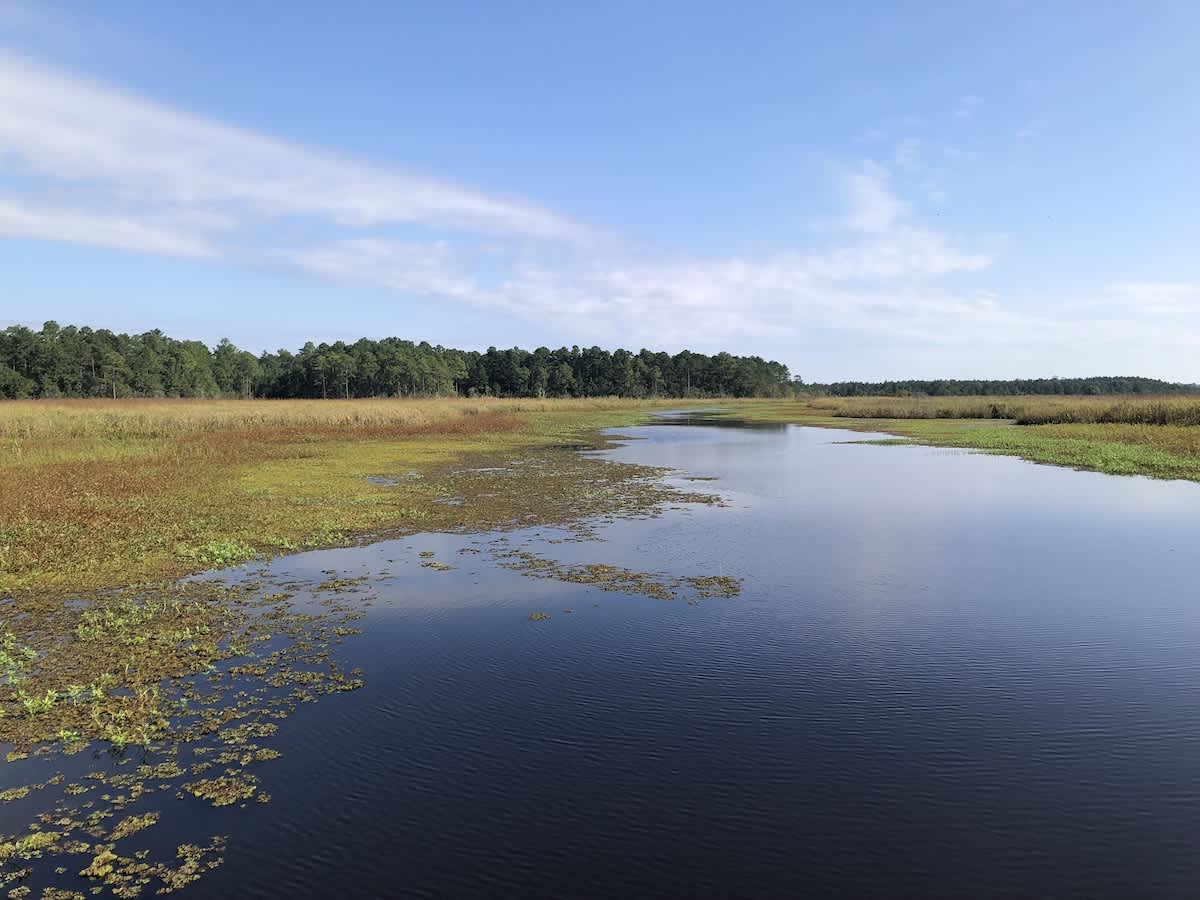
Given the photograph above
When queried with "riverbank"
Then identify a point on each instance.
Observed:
(1102, 434)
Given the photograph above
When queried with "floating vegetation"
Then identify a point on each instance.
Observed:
(204, 666)
(132, 825)
(224, 790)
(658, 585)
(436, 566)
(538, 616)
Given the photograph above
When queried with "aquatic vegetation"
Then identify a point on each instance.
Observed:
(201, 664)
(224, 790)
(538, 616)
(132, 825)
(16, 661)
(218, 554)
(31, 846)
(657, 585)
(183, 682)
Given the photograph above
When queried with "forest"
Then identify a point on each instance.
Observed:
(69, 361)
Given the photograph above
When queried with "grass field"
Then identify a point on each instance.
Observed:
(1153, 436)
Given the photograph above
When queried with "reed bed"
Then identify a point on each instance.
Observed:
(1039, 410)
(32, 419)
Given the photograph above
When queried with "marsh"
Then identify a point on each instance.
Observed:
(942, 673)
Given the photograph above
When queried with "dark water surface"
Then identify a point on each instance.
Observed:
(947, 675)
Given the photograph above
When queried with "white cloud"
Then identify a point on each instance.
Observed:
(144, 158)
(1155, 297)
(144, 177)
(425, 270)
(873, 205)
(18, 220)
(881, 279)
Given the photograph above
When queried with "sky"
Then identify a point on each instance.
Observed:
(858, 190)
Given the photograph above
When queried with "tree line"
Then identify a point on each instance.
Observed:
(70, 361)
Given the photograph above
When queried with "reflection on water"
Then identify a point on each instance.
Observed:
(945, 676)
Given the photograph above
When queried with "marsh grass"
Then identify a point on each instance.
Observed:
(95, 494)
(1030, 410)
(1154, 436)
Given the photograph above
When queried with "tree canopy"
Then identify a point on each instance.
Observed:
(83, 362)
(70, 361)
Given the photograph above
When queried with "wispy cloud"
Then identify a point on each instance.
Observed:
(874, 207)
(145, 177)
(879, 275)
(1154, 297)
(145, 159)
(18, 220)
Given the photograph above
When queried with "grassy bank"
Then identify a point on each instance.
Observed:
(97, 494)
(1153, 436)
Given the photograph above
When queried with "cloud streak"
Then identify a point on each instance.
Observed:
(881, 280)
(144, 158)
(148, 178)
(18, 220)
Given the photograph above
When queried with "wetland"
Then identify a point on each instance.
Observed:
(719, 658)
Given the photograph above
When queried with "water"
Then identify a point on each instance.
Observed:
(947, 675)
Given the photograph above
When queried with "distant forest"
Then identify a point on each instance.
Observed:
(1013, 388)
(60, 361)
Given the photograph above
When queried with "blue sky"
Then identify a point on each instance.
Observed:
(860, 190)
